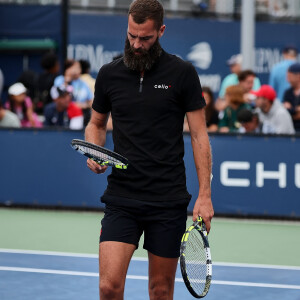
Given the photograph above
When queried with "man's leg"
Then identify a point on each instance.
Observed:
(114, 258)
(161, 277)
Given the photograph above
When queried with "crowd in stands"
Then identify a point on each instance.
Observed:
(243, 105)
(50, 98)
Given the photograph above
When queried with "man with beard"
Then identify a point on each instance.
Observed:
(148, 93)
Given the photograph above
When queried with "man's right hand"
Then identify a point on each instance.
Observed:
(96, 168)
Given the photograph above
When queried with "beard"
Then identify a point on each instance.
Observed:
(144, 60)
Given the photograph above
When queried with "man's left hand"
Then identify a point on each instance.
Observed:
(203, 208)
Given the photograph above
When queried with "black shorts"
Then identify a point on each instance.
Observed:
(163, 227)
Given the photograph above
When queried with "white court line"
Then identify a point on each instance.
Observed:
(135, 277)
(257, 221)
(54, 253)
(222, 264)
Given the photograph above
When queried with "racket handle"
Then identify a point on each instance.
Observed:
(200, 223)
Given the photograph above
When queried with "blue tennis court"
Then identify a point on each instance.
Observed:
(53, 275)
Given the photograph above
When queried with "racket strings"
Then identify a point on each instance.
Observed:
(195, 259)
(100, 155)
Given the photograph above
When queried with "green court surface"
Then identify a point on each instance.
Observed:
(231, 240)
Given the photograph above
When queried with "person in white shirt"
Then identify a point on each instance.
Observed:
(273, 115)
(8, 118)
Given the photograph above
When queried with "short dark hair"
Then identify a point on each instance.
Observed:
(49, 60)
(68, 64)
(290, 50)
(143, 10)
(246, 115)
(85, 66)
(244, 74)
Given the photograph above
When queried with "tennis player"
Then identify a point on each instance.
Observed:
(148, 92)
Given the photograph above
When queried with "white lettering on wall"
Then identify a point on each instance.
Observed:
(265, 59)
(279, 175)
(234, 165)
(95, 55)
(211, 80)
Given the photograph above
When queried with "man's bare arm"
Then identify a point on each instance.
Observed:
(202, 155)
(95, 132)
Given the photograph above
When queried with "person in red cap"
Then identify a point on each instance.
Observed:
(62, 112)
(274, 116)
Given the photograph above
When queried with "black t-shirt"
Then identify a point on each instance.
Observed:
(289, 96)
(147, 125)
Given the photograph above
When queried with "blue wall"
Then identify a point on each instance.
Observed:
(97, 37)
(206, 43)
(27, 22)
(38, 167)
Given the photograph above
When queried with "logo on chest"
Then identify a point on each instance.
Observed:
(162, 86)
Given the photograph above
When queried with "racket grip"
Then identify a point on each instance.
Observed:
(201, 224)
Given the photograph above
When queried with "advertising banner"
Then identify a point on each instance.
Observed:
(252, 175)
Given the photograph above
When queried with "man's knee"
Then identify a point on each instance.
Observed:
(161, 289)
(110, 289)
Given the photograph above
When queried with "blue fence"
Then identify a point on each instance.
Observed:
(253, 175)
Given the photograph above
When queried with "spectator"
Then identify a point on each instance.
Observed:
(62, 111)
(246, 81)
(82, 94)
(235, 65)
(234, 95)
(211, 113)
(291, 98)
(29, 79)
(20, 104)
(8, 118)
(272, 113)
(249, 121)
(86, 76)
(278, 73)
(203, 5)
(51, 66)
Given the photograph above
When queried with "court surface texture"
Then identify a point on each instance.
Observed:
(47, 254)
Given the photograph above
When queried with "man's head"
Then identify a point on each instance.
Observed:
(246, 80)
(85, 66)
(234, 94)
(145, 27)
(266, 95)
(143, 10)
(248, 119)
(235, 63)
(72, 70)
(293, 75)
(62, 96)
(290, 52)
(50, 62)
(17, 92)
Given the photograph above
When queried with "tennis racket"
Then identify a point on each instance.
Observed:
(195, 259)
(100, 155)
